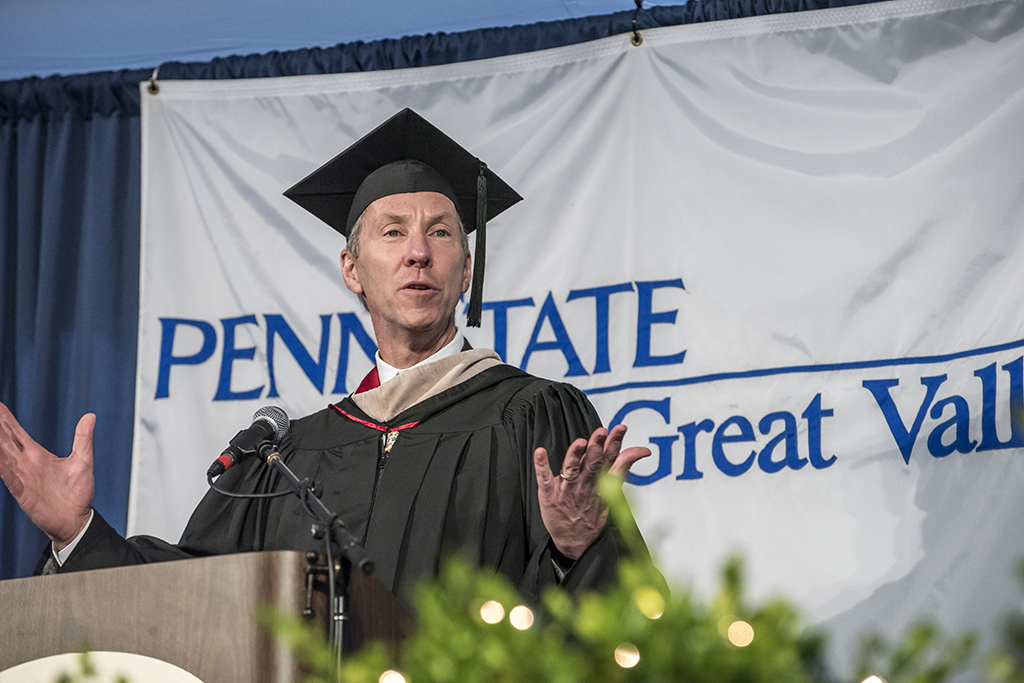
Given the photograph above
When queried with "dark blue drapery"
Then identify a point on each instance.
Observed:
(69, 227)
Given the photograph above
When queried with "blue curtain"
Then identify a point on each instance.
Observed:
(69, 259)
(69, 227)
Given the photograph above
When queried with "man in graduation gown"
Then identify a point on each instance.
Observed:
(442, 449)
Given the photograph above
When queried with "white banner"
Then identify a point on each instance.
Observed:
(785, 250)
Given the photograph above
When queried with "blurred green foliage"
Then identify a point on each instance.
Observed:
(923, 655)
(1006, 664)
(86, 671)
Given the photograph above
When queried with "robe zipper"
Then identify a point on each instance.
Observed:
(382, 461)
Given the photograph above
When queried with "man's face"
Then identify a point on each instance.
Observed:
(411, 266)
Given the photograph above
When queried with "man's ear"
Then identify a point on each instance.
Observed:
(349, 272)
(467, 274)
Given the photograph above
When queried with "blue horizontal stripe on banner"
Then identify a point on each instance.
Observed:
(796, 369)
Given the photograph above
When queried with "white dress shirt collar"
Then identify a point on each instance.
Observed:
(386, 372)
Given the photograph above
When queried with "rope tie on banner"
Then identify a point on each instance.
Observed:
(153, 87)
(637, 39)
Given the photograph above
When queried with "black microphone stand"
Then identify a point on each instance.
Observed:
(337, 535)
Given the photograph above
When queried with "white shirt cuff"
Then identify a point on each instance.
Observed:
(63, 555)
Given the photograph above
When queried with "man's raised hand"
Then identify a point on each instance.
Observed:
(570, 507)
(55, 493)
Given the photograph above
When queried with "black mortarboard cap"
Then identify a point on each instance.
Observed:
(407, 154)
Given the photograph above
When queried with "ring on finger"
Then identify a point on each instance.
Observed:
(569, 479)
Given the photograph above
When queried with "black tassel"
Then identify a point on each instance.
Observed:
(476, 298)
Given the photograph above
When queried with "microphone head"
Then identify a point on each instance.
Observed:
(277, 418)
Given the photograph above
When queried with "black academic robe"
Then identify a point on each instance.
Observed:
(459, 479)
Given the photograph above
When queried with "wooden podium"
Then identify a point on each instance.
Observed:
(197, 614)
